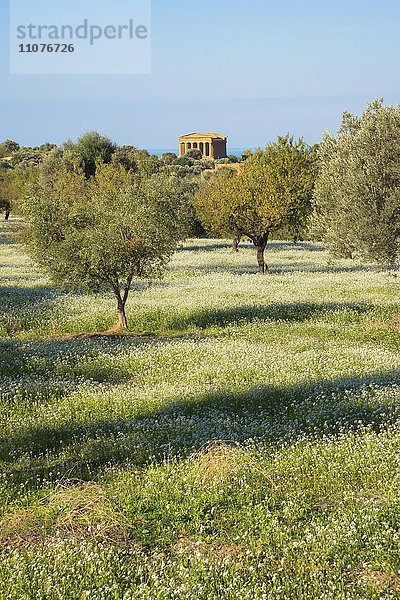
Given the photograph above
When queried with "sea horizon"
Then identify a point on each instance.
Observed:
(231, 151)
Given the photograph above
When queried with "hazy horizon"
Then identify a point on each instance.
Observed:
(251, 71)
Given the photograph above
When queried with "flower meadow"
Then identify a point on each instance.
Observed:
(242, 441)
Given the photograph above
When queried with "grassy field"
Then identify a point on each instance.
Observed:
(242, 442)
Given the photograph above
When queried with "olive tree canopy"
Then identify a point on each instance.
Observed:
(357, 194)
(271, 189)
(103, 232)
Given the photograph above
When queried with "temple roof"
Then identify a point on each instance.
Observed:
(191, 136)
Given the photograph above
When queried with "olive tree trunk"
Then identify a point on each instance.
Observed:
(260, 243)
(8, 212)
(122, 320)
(121, 301)
(235, 243)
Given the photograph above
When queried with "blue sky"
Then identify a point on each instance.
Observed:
(251, 69)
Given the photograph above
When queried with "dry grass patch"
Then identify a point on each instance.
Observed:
(219, 461)
(395, 323)
(382, 581)
(215, 553)
(78, 512)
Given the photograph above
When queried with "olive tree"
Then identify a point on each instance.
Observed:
(102, 233)
(357, 193)
(13, 182)
(5, 190)
(271, 189)
(89, 149)
(8, 147)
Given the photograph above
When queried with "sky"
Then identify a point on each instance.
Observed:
(250, 69)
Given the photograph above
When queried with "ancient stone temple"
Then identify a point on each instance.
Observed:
(211, 145)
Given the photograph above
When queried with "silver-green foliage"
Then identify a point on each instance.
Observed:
(103, 233)
(357, 194)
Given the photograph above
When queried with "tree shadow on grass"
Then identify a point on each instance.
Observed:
(305, 267)
(296, 312)
(6, 231)
(46, 310)
(261, 414)
(205, 247)
(17, 357)
(7, 240)
(280, 245)
(25, 297)
(23, 307)
(274, 246)
(275, 268)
